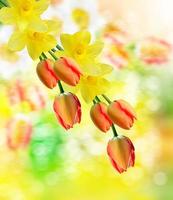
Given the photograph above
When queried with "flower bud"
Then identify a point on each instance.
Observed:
(19, 132)
(46, 73)
(67, 109)
(122, 114)
(100, 117)
(121, 153)
(67, 70)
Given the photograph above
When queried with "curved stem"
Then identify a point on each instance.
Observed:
(106, 98)
(41, 58)
(96, 97)
(60, 87)
(3, 4)
(53, 55)
(44, 55)
(114, 131)
(59, 47)
(54, 50)
(94, 102)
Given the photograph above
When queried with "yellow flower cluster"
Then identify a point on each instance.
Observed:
(78, 47)
(29, 29)
(38, 36)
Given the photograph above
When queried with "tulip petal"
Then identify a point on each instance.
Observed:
(67, 70)
(121, 153)
(99, 116)
(122, 114)
(46, 74)
(68, 109)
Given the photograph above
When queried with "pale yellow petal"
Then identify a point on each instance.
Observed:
(54, 26)
(103, 69)
(49, 42)
(41, 6)
(17, 41)
(90, 67)
(7, 15)
(83, 37)
(91, 86)
(67, 42)
(38, 25)
(95, 49)
(33, 50)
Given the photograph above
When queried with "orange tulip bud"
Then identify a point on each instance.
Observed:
(121, 153)
(100, 117)
(19, 132)
(122, 114)
(46, 73)
(67, 70)
(67, 109)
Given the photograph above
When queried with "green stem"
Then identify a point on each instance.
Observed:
(114, 131)
(94, 102)
(40, 58)
(54, 50)
(59, 47)
(53, 55)
(60, 87)
(3, 4)
(44, 55)
(96, 97)
(106, 98)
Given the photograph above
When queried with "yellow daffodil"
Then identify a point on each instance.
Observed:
(80, 17)
(78, 47)
(35, 40)
(90, 86)
(24, 12)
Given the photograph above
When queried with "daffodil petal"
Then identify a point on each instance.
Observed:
(95, 49)
(41, 6)
(82, 36)
(54, 26)
(50, 42)
(103, 69)
(91, 86)
(17, 41)
(6, 15)
(33, 50)
(38, 25)
(67, 41)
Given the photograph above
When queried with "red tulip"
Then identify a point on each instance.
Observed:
(19, 132)
(121, 153)
(122, 114)
(46, 73)
(67, 70)
(100, 117)
(67, 109)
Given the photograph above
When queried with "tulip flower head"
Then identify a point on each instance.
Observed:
(67, 109)
(67, 70)
(121, 153)
(46, 73)
(100, 117)
(122, 114)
